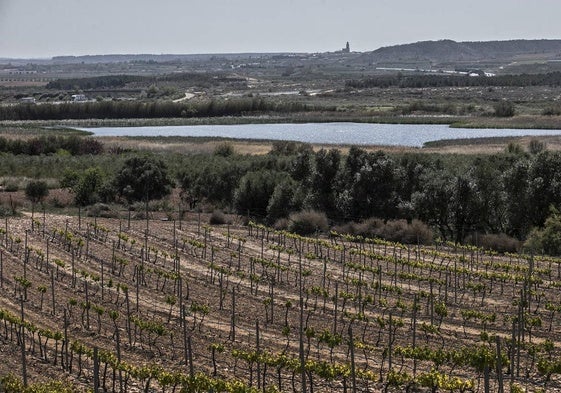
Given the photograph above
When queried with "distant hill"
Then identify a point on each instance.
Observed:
(119, 58)
(448, 51)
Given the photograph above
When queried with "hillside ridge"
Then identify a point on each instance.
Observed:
(451, 51)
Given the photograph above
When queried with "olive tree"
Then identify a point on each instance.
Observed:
(36, 191)
(142, 178)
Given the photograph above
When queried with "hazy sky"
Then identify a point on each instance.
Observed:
(45, 28)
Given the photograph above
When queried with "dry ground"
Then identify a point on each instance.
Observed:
(261, 267)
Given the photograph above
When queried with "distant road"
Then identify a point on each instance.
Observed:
(187, 96)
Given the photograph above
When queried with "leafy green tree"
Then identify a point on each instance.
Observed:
(89, 187)
(302, 167)
(213, 181)
(283, 201)
(544, 186)
(322, 191)
(36, 191)
(371, 191)
(431, 204)
(489, 200)
(547, 239)
(463, 204)
(254, 191)
(515, 183)
(142, 178)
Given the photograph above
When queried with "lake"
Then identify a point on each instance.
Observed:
(413, 135)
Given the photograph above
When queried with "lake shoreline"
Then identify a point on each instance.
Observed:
(488, 122)
(360, 134)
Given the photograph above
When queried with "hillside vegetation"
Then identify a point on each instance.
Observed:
(446, 51)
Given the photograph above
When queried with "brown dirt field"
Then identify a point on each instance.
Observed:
(98, 257)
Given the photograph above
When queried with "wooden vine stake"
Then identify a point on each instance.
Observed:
(390, 341)
(65, 364)
(118, 343)
(22, 334)
(258, 353)
(500, 388)
(415, 301)
(96, 370)
(189, 347)
(352, 348)
(53, 292)
(486, 377)
(233, 318)
(301, 329)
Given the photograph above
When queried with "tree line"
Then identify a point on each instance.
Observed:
(510, 193)
(51, 144)
(96, 82)
(422, 81)
(120, 81)
(153, 109)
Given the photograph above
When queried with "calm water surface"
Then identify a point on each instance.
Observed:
(329, 133)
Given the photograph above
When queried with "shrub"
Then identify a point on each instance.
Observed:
(514, 148)
(536, 146)
(504, 109)
(36, 191)
(554, 110)
(403, 232)
(56, 202)
(5, 211)
(101, 210)
(281, 224)
(371, 227)
(349, 228)
(218, 218)
(498, 242)
(11, 186)
(308, 222)
(394, 230)
(224, 149)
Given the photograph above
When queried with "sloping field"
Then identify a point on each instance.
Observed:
(114, 306)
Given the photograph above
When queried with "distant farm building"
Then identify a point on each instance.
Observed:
(79, 98)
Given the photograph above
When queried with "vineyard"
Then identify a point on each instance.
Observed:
(170, 306)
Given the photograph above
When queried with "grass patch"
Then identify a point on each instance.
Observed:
(515, 122)
(471, 141)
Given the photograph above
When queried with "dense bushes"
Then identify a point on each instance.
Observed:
(401, 231)
(120, 81)
(51, 144)
(506, 193)
(97, 82)
(546, 240)
(498, 242)
(139, 109)
(454, 195)
(504, 109)
(218, 218)
(308, 222)
(421, 81)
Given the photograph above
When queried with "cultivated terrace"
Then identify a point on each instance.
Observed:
(113, 304)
